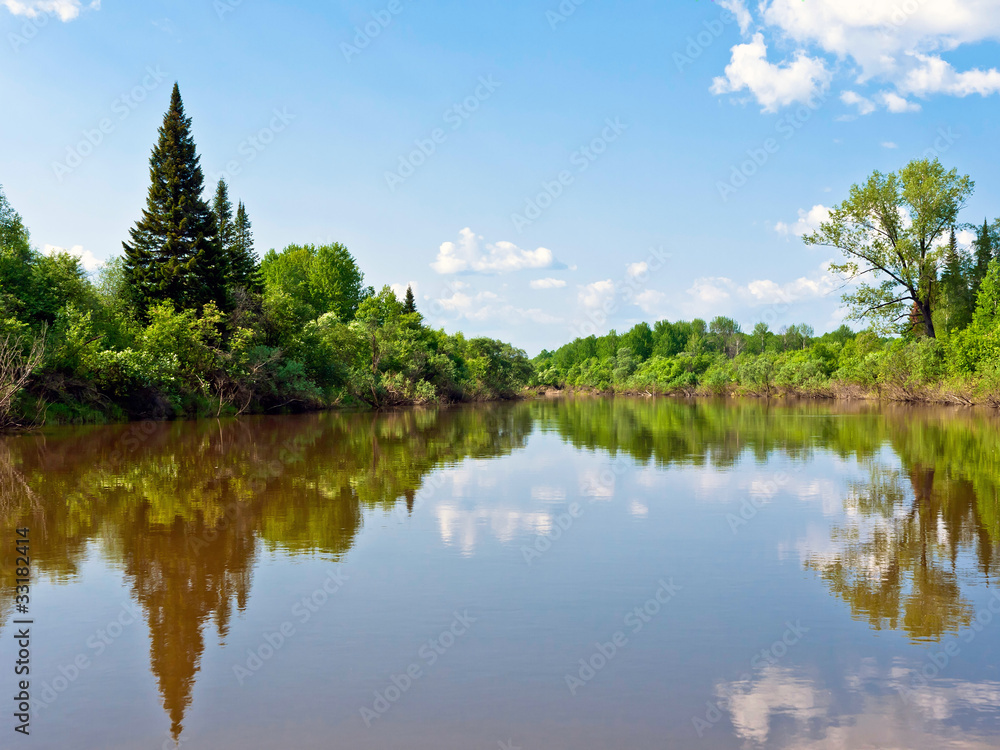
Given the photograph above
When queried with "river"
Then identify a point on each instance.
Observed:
(568, 573)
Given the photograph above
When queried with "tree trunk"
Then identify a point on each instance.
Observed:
(925, 313)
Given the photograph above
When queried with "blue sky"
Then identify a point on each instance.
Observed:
(591, 164)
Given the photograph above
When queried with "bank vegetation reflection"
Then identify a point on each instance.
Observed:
(185, 508)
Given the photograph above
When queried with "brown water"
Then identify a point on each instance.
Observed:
(583, 574)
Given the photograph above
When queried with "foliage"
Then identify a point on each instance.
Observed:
(317, 280)
(889, 227)
(175, 253)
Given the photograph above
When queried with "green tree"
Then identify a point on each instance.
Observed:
(639, 341)
(409, 304)
(244, 268)
(986, 246)
(726, 332)
(225, 230)
(759, 337)
(16, 261)
(889, 227)
(957, 297)
(174, 254)
(324, 279)
(670, 339)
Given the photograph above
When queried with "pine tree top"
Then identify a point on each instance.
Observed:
(173, 253)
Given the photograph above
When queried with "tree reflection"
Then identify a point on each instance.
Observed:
(183, 507)
(897, 560)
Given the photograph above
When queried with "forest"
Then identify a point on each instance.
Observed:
(189, 322)
(932, 331)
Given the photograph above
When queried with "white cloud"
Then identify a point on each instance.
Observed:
(711, 290)
(896, 103)
(500, 257)
(635, 270)
(67, 10)
(895, 46)
(865, 105)
(651, 301)
(767, 292)
(469, 306)
(774, 86)
(596, 295)
(714, 291)
(739, 9)
(547, 284)
(889, 144)
(490, 306)
(935, 76)
(808, 221)
(965, 238)
(89, 262)
(400, 289)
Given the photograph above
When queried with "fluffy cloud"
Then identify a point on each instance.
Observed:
(547, 284)
(896, 103)
(651, 301)
(484, 306)
(865, 106)
(67, 10)
(635, 270)
(876, 42)
(713, 291)
(87, 259)
(774, 86)
(889, 144)
(935, 76)
(767, 292)
(739, 9)
(597, 295)
(808, 221)
(467, 255)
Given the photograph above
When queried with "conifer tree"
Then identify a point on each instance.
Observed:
(984, 254)
(955, 278)
(225, 231)
(174, 253)
(244, 268)
(410, 305)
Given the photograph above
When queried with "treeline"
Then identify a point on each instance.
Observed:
(931, 308)
(717, 358)
(188, 321)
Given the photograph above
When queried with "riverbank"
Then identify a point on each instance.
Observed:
(942, 394)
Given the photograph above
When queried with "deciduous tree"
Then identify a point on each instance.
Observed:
(889, 228)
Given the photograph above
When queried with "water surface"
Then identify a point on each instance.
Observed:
(583, 574)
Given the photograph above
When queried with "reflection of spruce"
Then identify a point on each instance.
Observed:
(183, 508)
(180, 590)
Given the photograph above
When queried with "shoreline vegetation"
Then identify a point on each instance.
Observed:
(189, 322)
(931, 305)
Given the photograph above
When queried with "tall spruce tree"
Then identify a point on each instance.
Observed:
(984, 254)
(174, 254)
(410, 305)
(955, 287)
(225, 230)
(244, 268)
